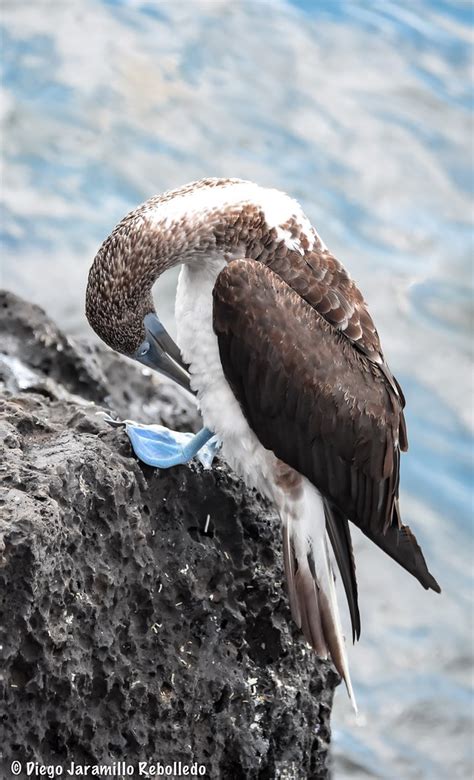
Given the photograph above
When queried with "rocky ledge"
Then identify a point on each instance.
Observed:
(143, 612)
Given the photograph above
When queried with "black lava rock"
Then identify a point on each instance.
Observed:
(143, 612)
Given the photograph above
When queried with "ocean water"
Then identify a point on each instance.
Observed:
(360, 110)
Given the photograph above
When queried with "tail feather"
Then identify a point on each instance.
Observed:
(311, 617)
(290, 569)
(310, 578)
(340, 537)
(333, 630)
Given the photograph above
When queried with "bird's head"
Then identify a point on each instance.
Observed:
(119, 303)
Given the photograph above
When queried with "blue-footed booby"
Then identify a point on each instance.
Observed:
(276, 341)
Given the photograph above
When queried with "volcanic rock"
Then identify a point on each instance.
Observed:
(143, 612)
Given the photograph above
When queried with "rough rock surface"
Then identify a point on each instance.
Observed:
(143, 612)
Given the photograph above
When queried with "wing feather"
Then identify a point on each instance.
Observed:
(340, 538)
(321, 405)
(323, 282)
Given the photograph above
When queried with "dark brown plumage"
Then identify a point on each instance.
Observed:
(322, 405)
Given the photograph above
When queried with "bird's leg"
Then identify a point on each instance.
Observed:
(196, 443)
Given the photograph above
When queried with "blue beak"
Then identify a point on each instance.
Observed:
(159, 352)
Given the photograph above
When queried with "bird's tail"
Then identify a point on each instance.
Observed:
(310, 579)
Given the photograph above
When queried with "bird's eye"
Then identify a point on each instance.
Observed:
(143, 349)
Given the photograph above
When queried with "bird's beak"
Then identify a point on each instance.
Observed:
(159, 352)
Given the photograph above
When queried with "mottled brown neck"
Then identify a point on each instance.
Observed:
(212, 219)
(156, 236)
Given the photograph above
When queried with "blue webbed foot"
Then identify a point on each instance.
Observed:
(162, 448)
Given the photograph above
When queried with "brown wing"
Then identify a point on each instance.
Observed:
(322, 406)
(323, 282)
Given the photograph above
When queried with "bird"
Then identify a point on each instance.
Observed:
(275, 340)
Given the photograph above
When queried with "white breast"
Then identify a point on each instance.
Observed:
(219, 408)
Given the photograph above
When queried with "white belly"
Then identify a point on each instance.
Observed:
(219, 408)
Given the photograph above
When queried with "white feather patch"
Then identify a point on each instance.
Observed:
(277, 207)
(219, 407)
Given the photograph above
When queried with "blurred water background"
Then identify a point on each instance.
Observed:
(361, 110)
